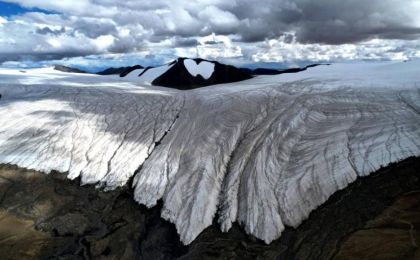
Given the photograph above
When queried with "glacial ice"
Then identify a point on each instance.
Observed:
(263, 152)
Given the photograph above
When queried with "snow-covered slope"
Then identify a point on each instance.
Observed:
(149, 75)
(264, 152)
(134, 75)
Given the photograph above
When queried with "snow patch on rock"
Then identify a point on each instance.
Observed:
(204, 68)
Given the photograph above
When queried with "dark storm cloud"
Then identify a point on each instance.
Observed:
(351, 21)
(40, 56)
(47, 30)
(185, 42)
(328, 21)
(314, 21)
(94, 28)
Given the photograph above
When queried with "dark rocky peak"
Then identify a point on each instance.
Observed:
(186, 73)
(63, 68)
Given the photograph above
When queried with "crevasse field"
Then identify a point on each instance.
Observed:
(263, 152)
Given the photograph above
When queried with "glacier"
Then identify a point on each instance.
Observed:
(263, 152)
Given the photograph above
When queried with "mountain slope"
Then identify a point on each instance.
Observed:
(186, 74)
(129, 70)
(265, 71)
(120, 70)
(68, 69)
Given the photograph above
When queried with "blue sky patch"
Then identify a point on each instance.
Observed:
(10, 9)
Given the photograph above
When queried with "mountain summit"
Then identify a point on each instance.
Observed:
(184, 73)
(192, 73)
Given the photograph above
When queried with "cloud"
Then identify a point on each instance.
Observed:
(48, 30)
(268, 30)
(217, 47)
(287, 48)
(20, 40)
(2, 21)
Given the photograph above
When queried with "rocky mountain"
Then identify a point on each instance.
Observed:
(122, 71)
(186, 73)
(261, 71)
(266, 71)
(192, 73)
(128, 70)
(68, 69)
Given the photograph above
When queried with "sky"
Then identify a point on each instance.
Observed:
(100, 33)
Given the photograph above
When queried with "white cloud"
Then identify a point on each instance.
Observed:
(286, 48)
(217, 46)
(2, 21)
(103, 42)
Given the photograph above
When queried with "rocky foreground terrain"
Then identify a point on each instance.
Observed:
(50, 217)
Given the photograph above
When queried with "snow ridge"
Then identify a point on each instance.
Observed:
(263, 152)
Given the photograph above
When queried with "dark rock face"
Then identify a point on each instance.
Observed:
(49, 217)
(178, 76)
(263, 71)
(112, 71)
(388, 235)
(130, 69)
(73, 222)
(68, 69)
(122, 71)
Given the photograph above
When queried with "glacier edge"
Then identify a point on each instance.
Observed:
(263, 152)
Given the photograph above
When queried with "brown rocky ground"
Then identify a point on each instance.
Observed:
(394, 234)
(49, 217)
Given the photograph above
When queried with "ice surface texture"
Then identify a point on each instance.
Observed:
(263, 152)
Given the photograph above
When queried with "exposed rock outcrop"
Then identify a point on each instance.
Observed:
(179, 76)
(266, 71)
(122, 71)
(68, 69)
(49, 217)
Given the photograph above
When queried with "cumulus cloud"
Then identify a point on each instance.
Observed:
(48, 30)
(2, 21)
(287, 48)
(20, 40)
(254, 30)
(217, 46)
